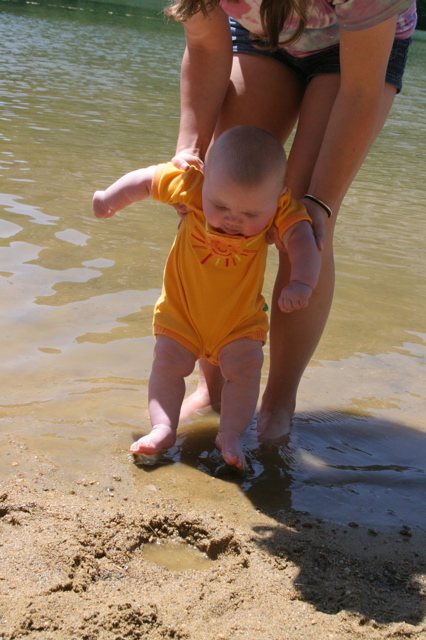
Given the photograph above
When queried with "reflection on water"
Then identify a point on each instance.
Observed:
(90, 91)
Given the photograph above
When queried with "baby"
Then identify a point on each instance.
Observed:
(211, 305)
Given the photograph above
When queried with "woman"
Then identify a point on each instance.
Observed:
(332, 66)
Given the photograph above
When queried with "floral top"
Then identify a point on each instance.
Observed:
(326, 19)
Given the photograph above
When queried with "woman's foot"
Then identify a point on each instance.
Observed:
(207, 397)
(161, 437)
(232, 453)
(199, 403)
(274, 421)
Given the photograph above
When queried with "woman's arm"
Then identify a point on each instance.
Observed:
(356, 114)
(206, 69)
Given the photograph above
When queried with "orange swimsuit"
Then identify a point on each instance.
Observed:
(212, 288)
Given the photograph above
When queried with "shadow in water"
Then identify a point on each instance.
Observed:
(337, 466)
(357, 482)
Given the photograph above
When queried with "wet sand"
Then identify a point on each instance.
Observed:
(72, 559)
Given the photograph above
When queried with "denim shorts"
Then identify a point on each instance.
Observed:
(327, 61)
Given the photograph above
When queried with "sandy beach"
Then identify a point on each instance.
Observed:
(73, 566)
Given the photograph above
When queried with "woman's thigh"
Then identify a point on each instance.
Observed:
(264, 93)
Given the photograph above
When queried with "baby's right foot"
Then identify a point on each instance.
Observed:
(232, 453)
(161, 437)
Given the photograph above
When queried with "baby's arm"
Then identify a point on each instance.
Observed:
(305, 261)
(132, 187)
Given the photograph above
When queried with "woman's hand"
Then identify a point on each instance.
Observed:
(272, 237)
(184, 161)
(318, 217)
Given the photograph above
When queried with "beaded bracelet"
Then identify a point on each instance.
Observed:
(319, 203)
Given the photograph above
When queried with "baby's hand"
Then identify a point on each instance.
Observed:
(294, 296)
(100, 206)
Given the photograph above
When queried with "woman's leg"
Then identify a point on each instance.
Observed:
(262, 93)
(266, 94)
(294, 337)
(207, 396)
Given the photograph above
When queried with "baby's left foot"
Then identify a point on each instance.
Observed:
(232, 453)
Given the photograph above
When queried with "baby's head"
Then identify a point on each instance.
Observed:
(244, 177)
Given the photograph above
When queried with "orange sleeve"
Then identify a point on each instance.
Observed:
(171, 185)
(289, 212)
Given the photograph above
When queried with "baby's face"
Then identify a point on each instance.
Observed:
(236, 209)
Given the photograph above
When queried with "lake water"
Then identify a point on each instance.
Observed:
(91, 91)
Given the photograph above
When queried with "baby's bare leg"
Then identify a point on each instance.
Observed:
(172, 363)
(241, 364)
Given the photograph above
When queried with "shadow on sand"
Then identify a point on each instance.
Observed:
(345, 495)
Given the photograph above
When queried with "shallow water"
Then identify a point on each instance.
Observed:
(176, 556)
(89, 92)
